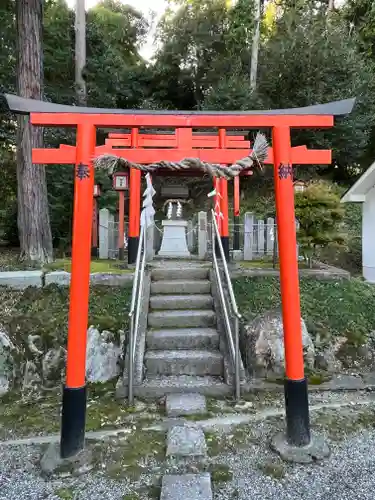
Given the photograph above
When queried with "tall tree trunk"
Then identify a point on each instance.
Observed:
(255, 46)
(80, 31)
(33, 217)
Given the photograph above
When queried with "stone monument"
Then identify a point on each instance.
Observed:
(174, 243)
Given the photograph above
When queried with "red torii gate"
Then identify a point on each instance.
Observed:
(223, 150)
(144, 148)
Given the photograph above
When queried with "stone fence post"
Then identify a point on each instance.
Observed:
(105, 217)
(248, 236)
(202, 235)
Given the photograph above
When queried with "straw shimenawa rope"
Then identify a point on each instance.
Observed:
(112, 163)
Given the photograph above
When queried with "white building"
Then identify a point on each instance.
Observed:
(363, 191)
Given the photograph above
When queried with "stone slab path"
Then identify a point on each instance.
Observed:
(186, 487)
(186, 442)
(179, 405)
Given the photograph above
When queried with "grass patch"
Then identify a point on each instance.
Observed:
(10, 261)
(273, 469)
(241, 437)
(345, 422)
(65, 493)
(96, 266)
(267, 264)
(41, 415)
(329, 308)
(220, 473)
(21, 418)
(133, 457)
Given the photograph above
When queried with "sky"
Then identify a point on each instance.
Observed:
(145, 6)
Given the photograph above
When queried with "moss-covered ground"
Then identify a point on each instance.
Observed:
(40, 414)
(44, 312)
(96, 266)
(329, 308)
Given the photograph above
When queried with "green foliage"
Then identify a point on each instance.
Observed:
(203, 62)
(361, 13)
(319, 213)
(329, 308)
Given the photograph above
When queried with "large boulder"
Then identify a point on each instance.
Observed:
(104, 355)
(263, 345)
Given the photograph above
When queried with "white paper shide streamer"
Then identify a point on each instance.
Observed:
(179, 210)
(148, 211)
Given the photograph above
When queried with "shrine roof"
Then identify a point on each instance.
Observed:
(20, 105)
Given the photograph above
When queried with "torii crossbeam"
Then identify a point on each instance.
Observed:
(138, 148)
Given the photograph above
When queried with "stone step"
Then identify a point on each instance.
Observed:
(194, 362)
(181, 319)
(180, 273)
(182, 338)
(157, 386)
(186, 487)
(180, 405)
(186, 442)
(197, 301)
(187, 287)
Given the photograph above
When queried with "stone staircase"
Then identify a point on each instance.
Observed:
(182, 343)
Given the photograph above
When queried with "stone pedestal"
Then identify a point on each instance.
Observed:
(174, 242)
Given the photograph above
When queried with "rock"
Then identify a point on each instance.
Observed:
(263, 343)
(31, 377)
(32, 342)
(327, 361)
(53, 365)
(6, 361)
(103, 356)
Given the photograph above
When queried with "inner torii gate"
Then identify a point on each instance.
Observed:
(138, 148)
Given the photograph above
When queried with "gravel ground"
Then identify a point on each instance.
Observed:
(254, 471)
(349, 474)
(20, 480)
(259, 474)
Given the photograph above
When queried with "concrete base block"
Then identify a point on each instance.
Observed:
(316, 450)
(58, 278)
(237, 255)
(21, 279)
(53, 465)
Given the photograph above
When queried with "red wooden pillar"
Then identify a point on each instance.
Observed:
(296, 397)
(236, 213)
(217, 211)
(224, 222)
(95, 223)
(121, 224)
(224, 228)
(74, 393)
(134, 205)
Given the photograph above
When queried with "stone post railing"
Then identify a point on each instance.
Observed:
(105, 219)
(202, 235)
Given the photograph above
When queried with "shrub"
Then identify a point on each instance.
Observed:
(320, 216)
